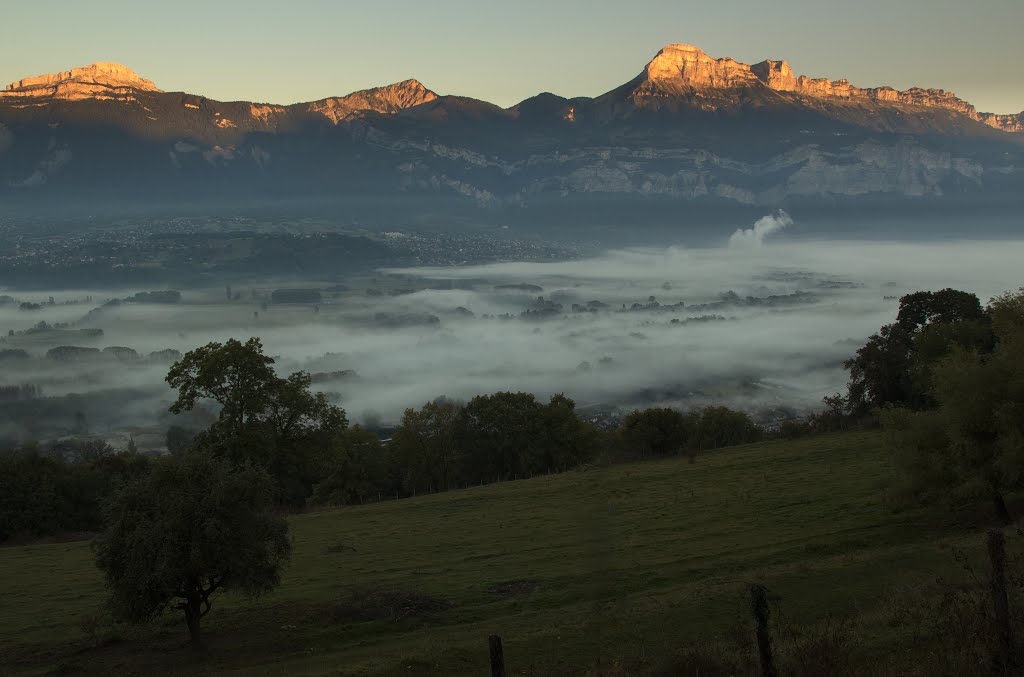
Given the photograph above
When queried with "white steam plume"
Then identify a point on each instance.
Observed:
(763, 227)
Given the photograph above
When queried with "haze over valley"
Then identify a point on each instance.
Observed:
(762, 323)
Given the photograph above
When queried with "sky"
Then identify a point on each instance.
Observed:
(302, 50)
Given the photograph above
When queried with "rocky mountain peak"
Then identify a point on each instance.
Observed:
(776, 74)
(680, 69)
(102, 80)
(677, 66)
(388, 99)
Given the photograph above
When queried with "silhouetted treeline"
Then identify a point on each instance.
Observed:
(447, 445)
(441, 446)
(25, 391)
(305, 444)
(43, 494)
(662, 432)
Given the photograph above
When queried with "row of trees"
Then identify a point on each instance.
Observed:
(42, 494)
(662, 431)
(308, 448)
(446, 445)
(305, 445)
(208, 517)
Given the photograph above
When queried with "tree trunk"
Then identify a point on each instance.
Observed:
(192, 616)
(1002, 513)
(1003, 662)
(759, 605)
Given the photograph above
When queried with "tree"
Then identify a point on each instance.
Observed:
(498, 435)
(236, 375)
(179, 439)
(506, 435)
(277, 423)
(893, 367)
(300, 428)
(190, 528)
(359, 471)
(880, 371)
(568, 440)
(29, 494)
(658, 431)
(946, 306)
(972, 444)
(426, 453)
(43, 495)
(724, 427)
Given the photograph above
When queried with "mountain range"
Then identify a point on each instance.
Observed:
(690, 129)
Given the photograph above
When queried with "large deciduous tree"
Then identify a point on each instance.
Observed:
(658, 431)
(973, 442)
(194, 526)
(508, 435)
(277, 423)
(894, 366)
(237, 375)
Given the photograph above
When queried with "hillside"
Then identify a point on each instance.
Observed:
(690, 130)
(577, 572)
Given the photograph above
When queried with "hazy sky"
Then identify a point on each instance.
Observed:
(505, 51)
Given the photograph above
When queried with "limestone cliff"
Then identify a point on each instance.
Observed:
(681, 66)
(683, 69)
(1008, 123)
(96, 81)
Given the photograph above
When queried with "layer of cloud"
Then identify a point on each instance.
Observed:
(752, 327)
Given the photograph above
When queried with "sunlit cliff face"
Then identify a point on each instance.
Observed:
(96, 81)
(678, 68)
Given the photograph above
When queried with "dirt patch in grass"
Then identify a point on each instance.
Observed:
(375, 604)
(514, 588)
(339, 547)
(63, 537)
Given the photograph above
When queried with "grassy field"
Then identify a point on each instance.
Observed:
(596, 571)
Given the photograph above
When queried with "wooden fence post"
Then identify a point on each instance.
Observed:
(759, 605)
(497, 656)
(1003, 662)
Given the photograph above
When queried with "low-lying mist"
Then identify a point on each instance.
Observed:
(761, 325)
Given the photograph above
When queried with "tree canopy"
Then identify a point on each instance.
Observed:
(277, 423)
(972, 442)
(662, 431)
(894, 366)
(194, 526)
(508, 435)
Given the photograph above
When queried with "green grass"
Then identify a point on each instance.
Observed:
(628, 562)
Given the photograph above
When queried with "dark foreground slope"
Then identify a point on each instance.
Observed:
(579, 573)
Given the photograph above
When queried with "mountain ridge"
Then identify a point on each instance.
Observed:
(679, 66)
(676, 69)
(689, 129)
